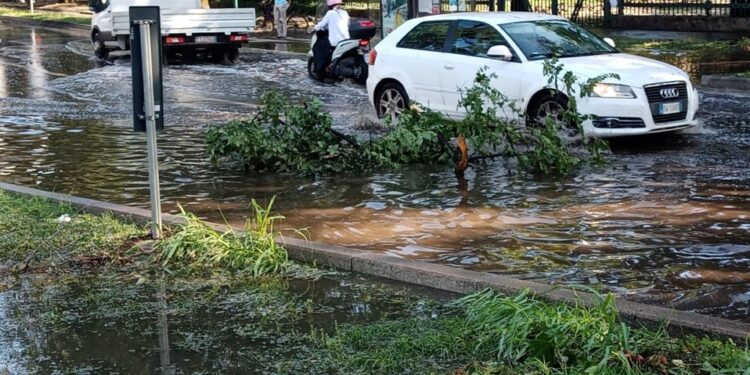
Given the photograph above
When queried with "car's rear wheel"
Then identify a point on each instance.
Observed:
(391, 100)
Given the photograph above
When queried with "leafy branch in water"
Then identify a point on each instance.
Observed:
(288, 137)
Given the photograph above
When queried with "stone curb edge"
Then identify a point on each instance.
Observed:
(726, 82)
(436, 276)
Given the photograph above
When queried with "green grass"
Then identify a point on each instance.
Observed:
(744, 74)
(493, 334)
(34, 232)
(46, 16)
(253, 251)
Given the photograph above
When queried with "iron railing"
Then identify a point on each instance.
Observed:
(596, 12)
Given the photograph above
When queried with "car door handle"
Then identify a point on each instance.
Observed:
(449, 67)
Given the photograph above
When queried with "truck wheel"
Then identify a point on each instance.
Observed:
(100, 50)
(233, 54)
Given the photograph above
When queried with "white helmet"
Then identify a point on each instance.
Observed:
(333, 3)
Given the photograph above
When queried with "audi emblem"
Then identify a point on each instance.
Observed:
(669, 93)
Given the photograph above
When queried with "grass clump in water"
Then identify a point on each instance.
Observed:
(254, 250)
(489, 333)
(37, 233)
(46, 16)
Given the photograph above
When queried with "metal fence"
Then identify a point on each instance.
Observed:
(587, 12)
(732, 8)
(596, 12)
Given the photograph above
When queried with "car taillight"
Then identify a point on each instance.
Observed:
(373, 56)
(238, 38)
(174, 40)
(364, 43)
(366, 23)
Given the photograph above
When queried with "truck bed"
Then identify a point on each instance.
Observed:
(195, 21)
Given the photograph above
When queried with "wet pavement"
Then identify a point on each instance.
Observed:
(667, 220)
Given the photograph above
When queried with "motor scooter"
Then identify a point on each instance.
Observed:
(348, 57)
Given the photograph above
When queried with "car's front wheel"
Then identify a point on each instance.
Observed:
(100, 50)
(553, 107)
(391, 100)
(550, 106)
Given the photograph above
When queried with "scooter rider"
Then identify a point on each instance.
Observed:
(336, 21)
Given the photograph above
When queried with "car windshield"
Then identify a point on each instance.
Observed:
(555, 38)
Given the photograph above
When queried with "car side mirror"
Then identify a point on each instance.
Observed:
(610, 42)
(500, 52)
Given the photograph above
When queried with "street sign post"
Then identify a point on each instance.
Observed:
(148, 102)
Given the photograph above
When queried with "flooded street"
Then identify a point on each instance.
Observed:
(666, 221)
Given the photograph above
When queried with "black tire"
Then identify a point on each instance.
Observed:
(396, 100)
(363, 71)
(548, 105)
(311, 68)
(553, 105)
(233, 54)
(219, 56)
(100, 49)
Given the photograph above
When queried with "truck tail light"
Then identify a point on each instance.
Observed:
(238, 38)
(174, 40)
(373, 56)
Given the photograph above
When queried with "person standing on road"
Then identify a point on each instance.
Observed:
(336, 21)
(279, 16)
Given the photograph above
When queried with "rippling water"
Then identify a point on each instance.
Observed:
(667, 220)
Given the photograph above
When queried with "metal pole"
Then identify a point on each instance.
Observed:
(150, 115)
(236, 3)
(31, 2)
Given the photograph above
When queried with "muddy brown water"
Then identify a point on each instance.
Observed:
(666, 221)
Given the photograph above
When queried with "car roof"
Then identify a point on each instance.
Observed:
(493, 17)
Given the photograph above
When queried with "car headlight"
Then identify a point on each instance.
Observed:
(610, 90)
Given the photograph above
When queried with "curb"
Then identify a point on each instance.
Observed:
(726, 82)
(436, 276)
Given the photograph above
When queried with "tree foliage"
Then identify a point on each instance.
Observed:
(288, 137)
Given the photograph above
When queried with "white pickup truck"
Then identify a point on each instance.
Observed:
(186, 28)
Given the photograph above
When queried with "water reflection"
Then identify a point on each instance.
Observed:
(113, 324)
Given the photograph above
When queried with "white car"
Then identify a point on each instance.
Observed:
(427, 60)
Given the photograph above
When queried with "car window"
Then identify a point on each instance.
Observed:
(475, 38)
(544, 39)
(428, 36)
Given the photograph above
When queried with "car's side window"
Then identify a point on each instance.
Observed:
(475, 38)
(428, 36)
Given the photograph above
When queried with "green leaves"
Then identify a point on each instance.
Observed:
(254, 251)
(288, 137)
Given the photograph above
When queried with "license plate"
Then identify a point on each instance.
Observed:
(670, 108)
(205, 39)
